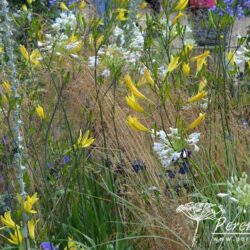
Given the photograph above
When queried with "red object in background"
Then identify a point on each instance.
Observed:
(206, 4)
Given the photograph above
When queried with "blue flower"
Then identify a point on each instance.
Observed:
(184, 168)
(232, 8)
(170, 174)
(47, 246)
(137, 166)
(52, 2)
(66, 159)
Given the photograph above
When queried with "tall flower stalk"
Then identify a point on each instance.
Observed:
(9, 45)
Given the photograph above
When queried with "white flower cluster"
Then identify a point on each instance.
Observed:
(242, 54)
(131, 52)
(238, 191)
(63, 26)
(92, 61)
(126, 43)
(66, 21)
(164, 145)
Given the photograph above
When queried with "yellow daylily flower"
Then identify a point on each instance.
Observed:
(31, 228)
(35, 56)
(84, 141)
(148, 77)
(82, 5)
(24, 7)
(7, 221)
(30, 1)
(40, 112)
(173, 64)
(24, 52)
(63, 6)
(231, 57)
(186, 69)
(1, 50)
(16, 238)
(197, 122)
(248, 64)
(136, 125)
(122, 14)
(176, 19)
(201, 60)
(7, 87)
(132, 87)
(188, 48)
(71, 245)
(197, 97)
(29, 202)
(134, 104)
(143, 5)
(202, 84)
(181, 5)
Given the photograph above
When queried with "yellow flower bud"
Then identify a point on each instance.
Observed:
(197, 122)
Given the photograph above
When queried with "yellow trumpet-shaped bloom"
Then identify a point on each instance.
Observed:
(16, 238)
(71, 245)
(231, 57)
(188, 48)
(143, 5)
(132, 87)
(31, 228)
(84, 141)
(173, 64)
(181, 5)
(176, 19)
(134, 104)
(24, 7)
(148, 77)
(7, 87)
(1, 50)
(201, 60)
(82, 5)
(40, 112)
(197, 97)
(7, 221)
(63, 6)
(197, 122)
(34, 58)
(136, 125)
(186, 69)
(24, 52)
(30, 1)
(122, 14)
(29, 203)
(202, 84)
